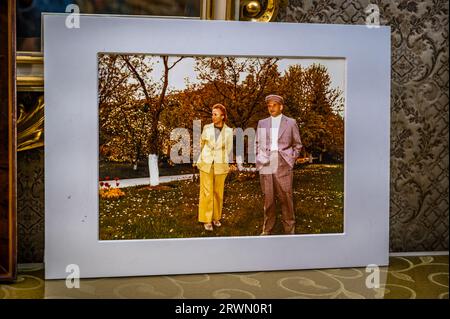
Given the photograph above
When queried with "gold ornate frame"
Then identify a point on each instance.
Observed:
(243, 10)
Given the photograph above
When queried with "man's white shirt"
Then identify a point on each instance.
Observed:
(275, 127)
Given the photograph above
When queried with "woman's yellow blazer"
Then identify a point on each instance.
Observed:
(216, 152)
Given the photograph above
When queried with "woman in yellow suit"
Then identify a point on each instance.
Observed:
(215, 154)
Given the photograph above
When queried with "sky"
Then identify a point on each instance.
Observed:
(185, 69)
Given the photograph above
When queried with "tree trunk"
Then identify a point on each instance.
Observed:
(153, 169)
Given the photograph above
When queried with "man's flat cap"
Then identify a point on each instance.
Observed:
(275, 98)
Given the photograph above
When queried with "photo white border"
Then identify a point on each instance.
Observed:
(71, 146)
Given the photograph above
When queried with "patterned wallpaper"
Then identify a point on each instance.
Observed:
(419, 125)
(30, 206)
(419, 111)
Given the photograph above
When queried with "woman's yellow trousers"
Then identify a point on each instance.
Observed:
(211, 196)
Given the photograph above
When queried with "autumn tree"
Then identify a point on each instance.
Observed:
(124, 117)
(113, 88)
(133, 121)
(317, 107)
(241, 84)
(178, 114)
(154, 93)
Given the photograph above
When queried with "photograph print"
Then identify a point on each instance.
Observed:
(220, 146)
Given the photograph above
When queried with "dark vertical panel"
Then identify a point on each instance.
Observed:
(7, 142)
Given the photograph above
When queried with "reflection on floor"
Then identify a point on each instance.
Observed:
(406, 277)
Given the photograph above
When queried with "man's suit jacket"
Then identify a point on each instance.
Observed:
(289, 142)
(216, 152)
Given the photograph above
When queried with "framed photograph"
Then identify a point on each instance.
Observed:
(186, 146)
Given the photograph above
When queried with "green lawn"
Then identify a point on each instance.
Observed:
(125, 170)
(171, 212)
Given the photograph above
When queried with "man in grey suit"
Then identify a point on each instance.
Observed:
(278, 146)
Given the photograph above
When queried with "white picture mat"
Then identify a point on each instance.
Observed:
(71, 146)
